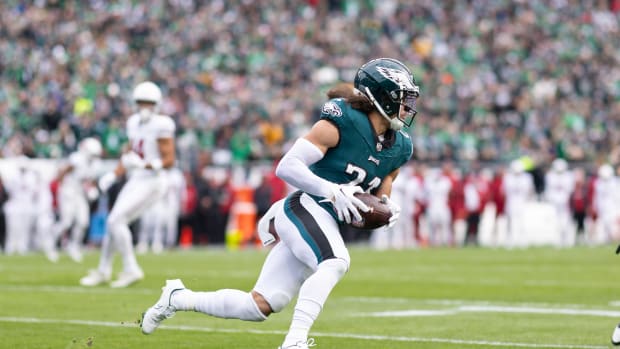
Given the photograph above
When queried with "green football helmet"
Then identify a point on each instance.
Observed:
(390, 86)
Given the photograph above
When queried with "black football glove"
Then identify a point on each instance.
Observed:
(618, 249)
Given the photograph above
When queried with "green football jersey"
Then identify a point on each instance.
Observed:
(359, 158)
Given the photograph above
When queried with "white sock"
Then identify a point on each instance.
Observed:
(77, 235)
(226, 304)
(312, 296)
(122, 237)
(107, 252)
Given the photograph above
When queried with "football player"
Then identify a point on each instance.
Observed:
(159, 223)
(404, 192)
(357, 146)
(437, 187)
(606, 190)
(559, 185)
(20, 209)
(77, 187)
(519, 188)
(151, 141)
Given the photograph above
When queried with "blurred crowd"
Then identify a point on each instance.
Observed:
(499, 79)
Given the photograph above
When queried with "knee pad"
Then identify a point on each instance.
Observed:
(339, 266)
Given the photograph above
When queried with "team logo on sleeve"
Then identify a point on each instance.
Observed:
(331, 108)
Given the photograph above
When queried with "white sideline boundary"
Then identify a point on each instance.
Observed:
(317, 334)
(376, 300)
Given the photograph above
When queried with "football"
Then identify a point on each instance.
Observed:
(378, 216)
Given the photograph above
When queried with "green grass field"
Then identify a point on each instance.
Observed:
(431, 298)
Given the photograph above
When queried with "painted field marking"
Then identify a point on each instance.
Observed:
(317, 334)
(460, 302)
(76, 289)
(493, 309)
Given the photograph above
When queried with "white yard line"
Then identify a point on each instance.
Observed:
(493, 309)
(533, 310)
(462, 302)
(317, 334)
(77, 289)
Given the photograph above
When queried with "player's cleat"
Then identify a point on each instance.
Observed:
(127, 278)
(94, 278)
(142, 248)
(615, 337)
(157, 247)
(52, 256)
(74, 253)
(162, 310)
(300, 345)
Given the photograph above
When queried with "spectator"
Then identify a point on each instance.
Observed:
(503, 79)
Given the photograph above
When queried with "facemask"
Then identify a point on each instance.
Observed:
(145, 113)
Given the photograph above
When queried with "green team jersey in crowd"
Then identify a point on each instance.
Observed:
(359, 158)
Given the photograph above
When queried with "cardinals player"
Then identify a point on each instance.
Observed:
(559, 184)
(519, 188)
(19, 209)
(606, 190)
(75, 191)
(151, 141)
(159, 224)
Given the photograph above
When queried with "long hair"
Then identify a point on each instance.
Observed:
(355, 98)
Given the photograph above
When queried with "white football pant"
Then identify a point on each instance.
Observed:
(136, 196)
(20, 224)
(74, 214)
(308, 262)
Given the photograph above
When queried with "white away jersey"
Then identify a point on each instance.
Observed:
(143, 136)
(559, 187)
(83, 169)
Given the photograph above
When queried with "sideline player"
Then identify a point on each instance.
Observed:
(76, 189)
(151, 140)
(20, 209)
(606, 190)
(159, 223)
(518, 186)
(559, 185)
(357, 146)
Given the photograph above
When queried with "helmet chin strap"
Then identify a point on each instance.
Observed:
(395, 123)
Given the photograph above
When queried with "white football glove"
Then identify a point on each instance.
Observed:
(394, 208)
(106, 181)
(345, 203)
(132, 160)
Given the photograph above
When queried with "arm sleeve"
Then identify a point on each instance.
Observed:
(294, 169)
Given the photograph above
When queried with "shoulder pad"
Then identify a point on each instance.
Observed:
(165, 126)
